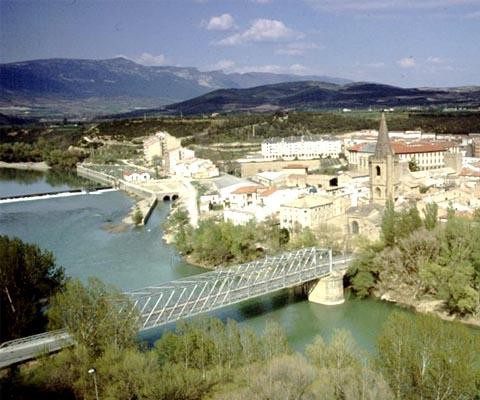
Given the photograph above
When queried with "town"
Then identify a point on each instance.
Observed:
(288, 181)
(240, 200)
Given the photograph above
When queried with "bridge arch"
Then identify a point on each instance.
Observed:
(166, 197)
(174, 197)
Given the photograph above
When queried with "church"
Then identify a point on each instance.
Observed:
(386, 182)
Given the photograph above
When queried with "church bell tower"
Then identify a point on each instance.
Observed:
(384, 168)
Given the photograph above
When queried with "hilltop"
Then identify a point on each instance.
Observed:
(313, 95)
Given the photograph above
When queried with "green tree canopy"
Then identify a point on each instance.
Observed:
(427, 358)
(95, 315)
(28, 277)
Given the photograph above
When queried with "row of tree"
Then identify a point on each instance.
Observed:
(26, 152)
(418, 357)
(422, 257)
(215, 243)
(208, 359)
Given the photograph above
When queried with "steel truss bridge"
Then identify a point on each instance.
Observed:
(185, 298)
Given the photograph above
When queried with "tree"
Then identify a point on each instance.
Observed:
(430, 216)
(420, 365)
(407, 222)
(283, 377)
(95, 315)
(412, 165)
(344, 371)
(28, 277)
(137, 216)
(388, 224)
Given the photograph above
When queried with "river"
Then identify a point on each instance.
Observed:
(74, 229)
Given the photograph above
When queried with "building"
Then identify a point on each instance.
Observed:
(136, 176)
(305, 147)
(250, 167)
(426, 155)
(476, 147)
(196, 168)
(311, 211)
(159, 145)
(384, 168)
(270, 178)
(177, 160)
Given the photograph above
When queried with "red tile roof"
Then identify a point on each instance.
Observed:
(469, 172)
(268, 192)
(409, 148)
(403, 148)
(246, 190)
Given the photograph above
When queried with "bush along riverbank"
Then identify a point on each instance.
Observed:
(217, 243)
(424, 264)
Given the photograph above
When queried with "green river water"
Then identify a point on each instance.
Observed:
(73, 228)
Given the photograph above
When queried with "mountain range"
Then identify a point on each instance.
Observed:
(72, 87)
(313, 95)
(118, 84)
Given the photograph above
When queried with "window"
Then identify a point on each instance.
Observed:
(355, 228)
(377, 168)
(378, 192)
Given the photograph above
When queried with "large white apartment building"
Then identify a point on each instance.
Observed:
(303, 147)
(426, 155)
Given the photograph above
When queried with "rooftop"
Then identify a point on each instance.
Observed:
(227, 180)
(402, 147)
(301, 138)
(246, 190)
(268, 192)
(310, 201)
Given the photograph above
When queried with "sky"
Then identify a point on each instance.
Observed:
(408, 43)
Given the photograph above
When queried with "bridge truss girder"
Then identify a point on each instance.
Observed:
(185, 298)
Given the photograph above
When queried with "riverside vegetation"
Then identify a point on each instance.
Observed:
(208, 359)
(216, 243)
(414, 260)
(423, 259)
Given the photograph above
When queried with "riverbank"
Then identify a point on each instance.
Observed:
(32, 166)
(427, 305)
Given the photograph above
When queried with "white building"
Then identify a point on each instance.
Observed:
(196, 168)
(426, 155)
(311, 211)
(305, 147)
(254, 202)
(159, 145)
(136, 176)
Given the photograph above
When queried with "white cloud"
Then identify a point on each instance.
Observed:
(262, 30)
(298, 69)
(379, 5)
(149, 59)
(297, 48)
(472, 15)
(407, 62)
(223, 22)
(435, 60)
(375, 65)
(224, 65)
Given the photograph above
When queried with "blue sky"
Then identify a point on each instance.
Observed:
(401, 42)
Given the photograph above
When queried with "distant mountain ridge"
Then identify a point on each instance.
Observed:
(57, 82)
(312, 95)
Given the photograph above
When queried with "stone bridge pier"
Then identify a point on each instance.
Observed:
(328, 291)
